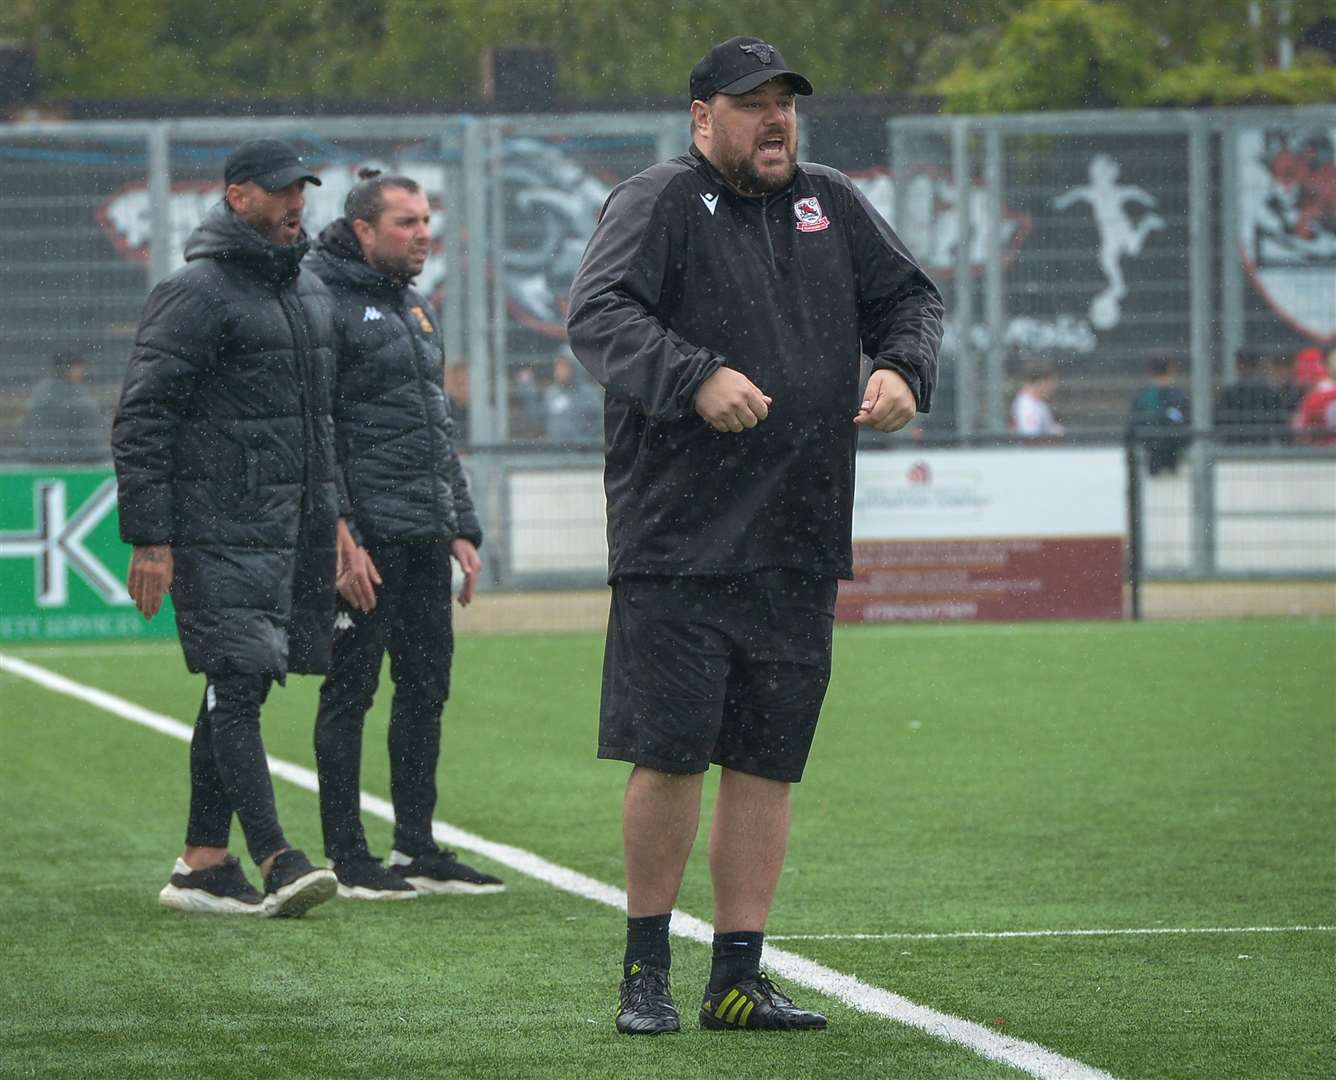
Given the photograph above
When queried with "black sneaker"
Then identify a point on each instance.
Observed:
(645, 1003)
(216, 890)
(367, 879)
(293, 886)
(441, 873)
(757, 1005)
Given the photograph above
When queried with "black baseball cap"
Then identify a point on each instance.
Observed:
(271, 163)
(738, 66)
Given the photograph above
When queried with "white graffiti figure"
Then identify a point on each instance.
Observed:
(1119, 238)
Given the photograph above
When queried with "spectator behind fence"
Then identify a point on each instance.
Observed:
(457, 395)
(1252, 403)
(572, 402)
(1031, 414)
(1160, 416)
(1281, 373)
(526, 414)
(1316, 415)
(64, 425)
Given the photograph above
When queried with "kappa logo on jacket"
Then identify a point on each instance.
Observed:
(371, 314)
(343, 621)
(711, 200)
(809, 215)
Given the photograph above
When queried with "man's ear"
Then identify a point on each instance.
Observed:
(701, 117)
(236, 197)
(364, 231)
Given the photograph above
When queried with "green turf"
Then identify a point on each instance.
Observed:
(964, 778)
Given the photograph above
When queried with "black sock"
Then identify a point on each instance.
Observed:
(647, 942)
(737, 956)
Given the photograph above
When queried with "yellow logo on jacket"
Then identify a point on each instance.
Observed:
(422, 319)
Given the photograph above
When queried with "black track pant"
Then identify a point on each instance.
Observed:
(412, 620)
(228, 771)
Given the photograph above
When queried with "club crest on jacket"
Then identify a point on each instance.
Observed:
(810, 217)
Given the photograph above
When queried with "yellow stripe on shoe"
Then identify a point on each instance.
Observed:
(737, 1008)
(723, 1005)
(742, 1020)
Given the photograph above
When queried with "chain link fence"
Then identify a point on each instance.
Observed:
(1091, 244)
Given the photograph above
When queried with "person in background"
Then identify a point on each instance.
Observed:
(1251, 404)
(572, 402)
(1315, 419)
(63, 425)
(1031, 411)
(1160, 416)
(457, 395)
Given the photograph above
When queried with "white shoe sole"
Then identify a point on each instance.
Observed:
(361, 892)
(451, 888)
(199, 902)
(298, 897)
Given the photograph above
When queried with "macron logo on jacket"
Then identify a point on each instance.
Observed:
(711, 201)
(371, 314)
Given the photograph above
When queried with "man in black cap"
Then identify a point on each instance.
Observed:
(224, 452)
(724, 302)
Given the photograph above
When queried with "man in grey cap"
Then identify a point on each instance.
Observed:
(224, 451)
(724, 302)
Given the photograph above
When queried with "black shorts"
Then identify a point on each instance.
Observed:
(730, 670)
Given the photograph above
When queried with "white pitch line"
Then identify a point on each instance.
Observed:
(1029, 1057)
(959, 935)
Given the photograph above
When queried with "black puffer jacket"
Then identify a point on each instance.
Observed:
(223, 444)
(396, 440)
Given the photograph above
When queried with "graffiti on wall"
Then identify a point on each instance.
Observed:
(1287, 214)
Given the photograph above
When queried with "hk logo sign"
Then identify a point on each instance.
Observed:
(56, 545)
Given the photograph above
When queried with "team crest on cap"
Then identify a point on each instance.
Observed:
(762, 52)
(809, 215)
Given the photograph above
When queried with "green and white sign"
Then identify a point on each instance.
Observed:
(62, 562)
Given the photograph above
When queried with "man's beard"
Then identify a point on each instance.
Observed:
(400, 268)
(271, 230)
(743, 176)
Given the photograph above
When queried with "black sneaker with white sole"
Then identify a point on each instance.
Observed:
(293, 886)
(442, 873)
(367, 879)
(756, 1004)
(214, 890)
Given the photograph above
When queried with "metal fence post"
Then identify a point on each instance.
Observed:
(159, 203)
(1201, 456)
(454, 232)
(967, 366)
(1231, 264)
(496, 242)
(994, 303)
(481, 426)
(1134, 521)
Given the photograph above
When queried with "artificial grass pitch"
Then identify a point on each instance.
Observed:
(1039, 777)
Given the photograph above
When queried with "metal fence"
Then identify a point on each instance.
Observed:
(1089, 241)
(1098, 242)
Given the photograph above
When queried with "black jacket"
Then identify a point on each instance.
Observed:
(224, 449)
(395, 438)
(683, 276)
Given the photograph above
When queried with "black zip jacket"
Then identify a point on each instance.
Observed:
(224, 449)
(683, 276)
(395, 437)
